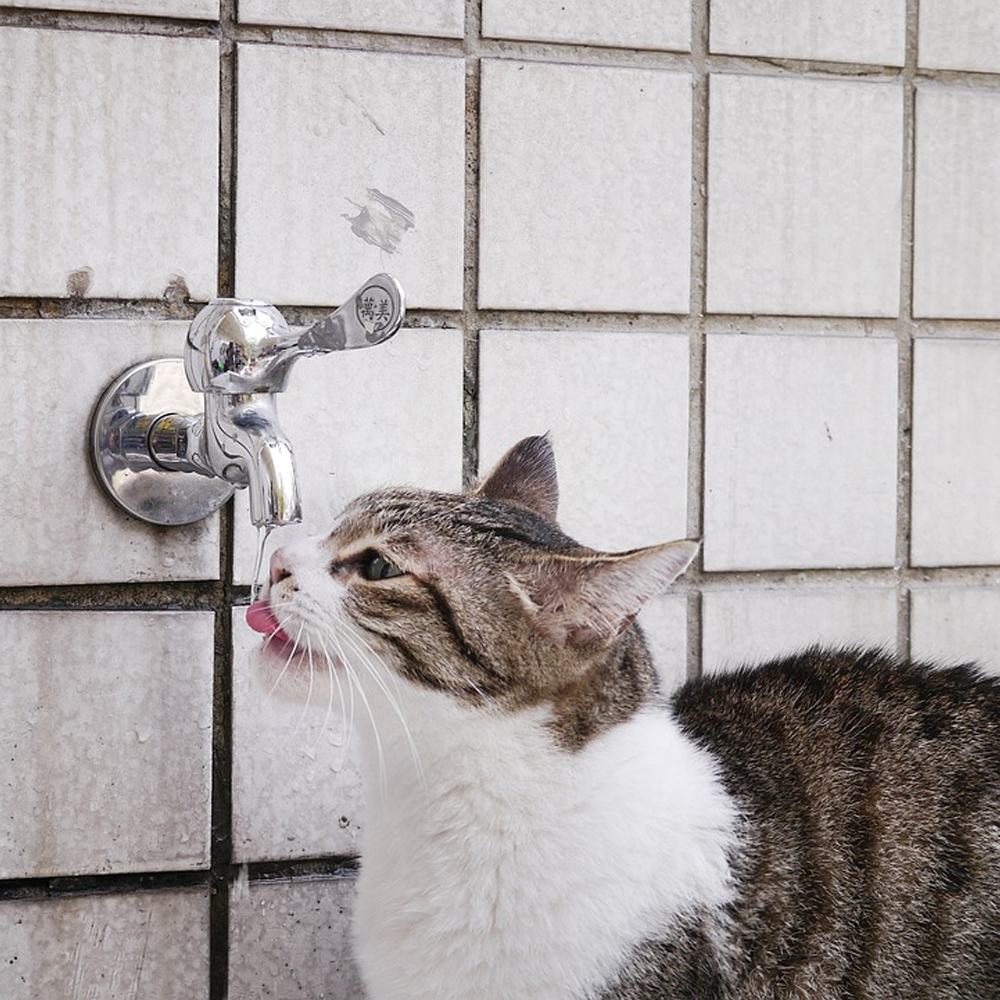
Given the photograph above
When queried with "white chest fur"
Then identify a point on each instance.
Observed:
(520, 871)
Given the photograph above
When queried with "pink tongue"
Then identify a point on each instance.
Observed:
(261, 619)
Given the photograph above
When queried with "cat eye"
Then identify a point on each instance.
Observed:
(375, 566)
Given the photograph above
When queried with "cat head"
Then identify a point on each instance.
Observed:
(479, 596)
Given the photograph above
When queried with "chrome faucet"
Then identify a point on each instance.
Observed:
(214, 412)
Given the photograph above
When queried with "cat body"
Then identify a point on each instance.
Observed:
(543, 823)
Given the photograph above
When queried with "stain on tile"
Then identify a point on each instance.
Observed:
(382, 221)
(78, 282)
(177, 289)
(365, 113)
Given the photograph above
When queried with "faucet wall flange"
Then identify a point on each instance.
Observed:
(146, 439)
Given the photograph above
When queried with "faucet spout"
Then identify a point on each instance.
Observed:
(246, 444)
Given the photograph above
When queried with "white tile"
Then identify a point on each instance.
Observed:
(204, 9)
(117, 137)
(59, 527)
(957, 203)
(390, 415)
(800, 452)
(959, 34)
(754, 626)
(145, 946)
(443, 18)
(616, 405)
(664, 620)
(293, 939)
(804, 194)
(340, 178)
(106, 738)
(837, 30)
(956, 626)
(582, 206)
(296, 785)
(956, 478)
(638, 24)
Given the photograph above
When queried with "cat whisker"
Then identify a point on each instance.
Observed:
(371, 715)
(309, 693)
(369, 660)
(339, 649)
(334, 679)
(482, 694)
(288, 660)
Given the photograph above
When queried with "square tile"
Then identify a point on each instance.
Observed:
(959, 34)
(956, 254)
(616, 405)
(106, 738)
(366, 419)
(340, 179)
(800, 452)
(202, 9)
(582, 206)
(956, 626)
(117, 136)
(855, 31)
(634, 24)
(293, 939)
(296, 785)
(59, 526)
(145, 946)
(664, 620)
(750, 627)
(443, 18)
(956, 478)
(804, 191)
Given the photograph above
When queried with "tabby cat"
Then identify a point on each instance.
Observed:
(544, 824)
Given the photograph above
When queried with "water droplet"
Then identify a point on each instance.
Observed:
(143, 733)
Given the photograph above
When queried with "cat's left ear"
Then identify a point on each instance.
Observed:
(580, 599)
(525, 476)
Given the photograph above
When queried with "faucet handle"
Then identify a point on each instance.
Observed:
(372, 315)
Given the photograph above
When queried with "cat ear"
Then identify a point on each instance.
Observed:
(579, 599)
(525, 476)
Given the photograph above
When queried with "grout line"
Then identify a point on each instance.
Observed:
(470, 320)
(697, 330)
(514, 49)
(215, 595)
(222, 796)
(63, 886)
(326, 868)
(222, 696)
(195, 595)
(904, 451)
(140, 310)
(228, 125)
(222, 767)
(695, 630)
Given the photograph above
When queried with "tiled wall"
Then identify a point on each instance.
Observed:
(740, 257)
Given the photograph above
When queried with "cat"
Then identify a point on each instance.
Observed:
(543, 823)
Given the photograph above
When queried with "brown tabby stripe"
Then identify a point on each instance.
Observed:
(414, 670)
(497, 679)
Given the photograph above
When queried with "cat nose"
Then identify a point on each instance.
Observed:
(279, 571)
